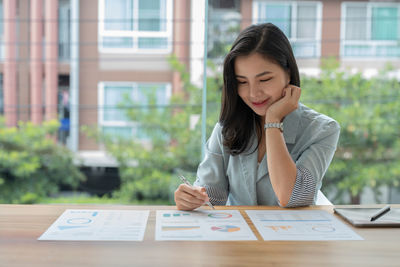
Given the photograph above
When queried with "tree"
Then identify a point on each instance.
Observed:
(32, 165)
(148, 168)
(368, 153)
(368, 111)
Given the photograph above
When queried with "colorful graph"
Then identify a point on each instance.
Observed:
(220, 215)
(76, 223)
(79, 221)
(226, 228)
(66, 227)
(179, 228)
(175, 214)
(279, 227)
(324, 228)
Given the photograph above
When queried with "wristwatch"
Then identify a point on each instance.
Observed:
(278, 125)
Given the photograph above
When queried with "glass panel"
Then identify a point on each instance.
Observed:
(117, 42)
(118, 15)
(159, 92)
(115, 131)
(64, 30)
(388, 51)
(146, 94)
(233, 5)
(306, 21)
(356, 26)
(161, 95)
(304, 50)
(152, 15)
(280, 15)
(1, 32)
(358, 50)
(141, 134)
(1, 95)
(114, 96)
(384, 23)
(1, 19)
(152, 43)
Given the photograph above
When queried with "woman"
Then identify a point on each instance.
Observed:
(267, 148)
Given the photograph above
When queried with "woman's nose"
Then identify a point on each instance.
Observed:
(255, 90)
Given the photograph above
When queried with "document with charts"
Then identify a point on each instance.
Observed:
(216, 225)
(98, 225)
(300, 225)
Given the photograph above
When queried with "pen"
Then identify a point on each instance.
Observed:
(380, 213)
(185, 181)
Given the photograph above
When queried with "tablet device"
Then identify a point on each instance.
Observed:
(361, 217)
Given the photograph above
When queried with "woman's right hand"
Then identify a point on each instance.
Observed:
(285, 105)
(190, 197)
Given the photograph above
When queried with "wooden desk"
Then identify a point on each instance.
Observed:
(21, 225)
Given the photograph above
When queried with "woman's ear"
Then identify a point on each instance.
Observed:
(287, 72)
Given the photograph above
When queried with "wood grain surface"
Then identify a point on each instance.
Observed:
(21, 225)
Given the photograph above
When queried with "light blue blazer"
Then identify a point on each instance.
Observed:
(311, 139)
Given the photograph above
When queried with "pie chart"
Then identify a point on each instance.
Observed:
(220, 215)
(225, 228)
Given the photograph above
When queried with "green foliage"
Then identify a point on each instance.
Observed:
(79, 198)
(223, 43)
(368, 111)
(148, 167)
(368, 153)
(32, 166)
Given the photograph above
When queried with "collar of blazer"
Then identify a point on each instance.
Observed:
(290, 125)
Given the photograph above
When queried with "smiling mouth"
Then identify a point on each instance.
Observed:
(258, 104)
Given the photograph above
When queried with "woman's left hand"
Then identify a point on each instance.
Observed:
(288, 103)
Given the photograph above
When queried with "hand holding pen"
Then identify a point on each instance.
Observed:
(188, 197)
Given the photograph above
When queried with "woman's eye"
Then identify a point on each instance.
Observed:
(265, 80)
(241, 82)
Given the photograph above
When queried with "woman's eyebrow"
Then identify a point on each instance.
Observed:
(263, 73)
(257, 75)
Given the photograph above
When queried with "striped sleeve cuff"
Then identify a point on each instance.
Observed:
(304, 189)
(217, 195)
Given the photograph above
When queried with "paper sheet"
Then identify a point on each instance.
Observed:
(300, 225)
(104, 225)
(216, 225)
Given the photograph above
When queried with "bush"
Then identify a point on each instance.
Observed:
(32, 165)
(149, 168)
(368, 153)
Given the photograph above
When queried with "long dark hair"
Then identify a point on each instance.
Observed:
(237, 119)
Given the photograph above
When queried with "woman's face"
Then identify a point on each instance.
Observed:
(260, 81)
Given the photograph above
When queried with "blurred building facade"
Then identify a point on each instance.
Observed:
(121, 47)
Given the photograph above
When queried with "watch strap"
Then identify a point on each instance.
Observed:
(278, 125)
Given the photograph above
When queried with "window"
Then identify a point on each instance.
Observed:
(113, 119)
(300, 21)
(1, 95)
(1, 31)
(136, 26)
(223, 27)
(224, 4)
(64, 33)
(370, 30)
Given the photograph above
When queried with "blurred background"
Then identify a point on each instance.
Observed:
(106, 101)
